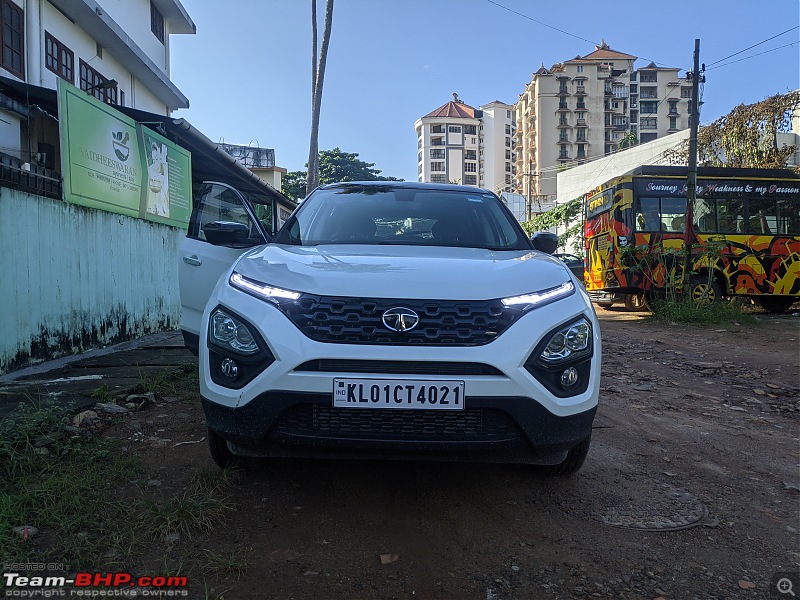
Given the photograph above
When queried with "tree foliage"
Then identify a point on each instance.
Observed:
(334, 166)
(746, 137)
(567, 216)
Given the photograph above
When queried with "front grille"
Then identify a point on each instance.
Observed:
(404, 425)
(399, 367)
(359, 320)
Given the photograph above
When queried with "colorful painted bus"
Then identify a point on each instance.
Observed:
(745, 235)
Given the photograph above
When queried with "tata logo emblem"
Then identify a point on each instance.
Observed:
(400, 319)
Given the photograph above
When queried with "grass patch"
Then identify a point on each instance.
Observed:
(61, 484)
(194, 511)
(181, 382)
(234, 564)
(687, 311)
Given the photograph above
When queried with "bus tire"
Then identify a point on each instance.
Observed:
(776, 304)
(635, 302)
(705, 292)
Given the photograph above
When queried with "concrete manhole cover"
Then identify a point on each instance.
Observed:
(663, 507)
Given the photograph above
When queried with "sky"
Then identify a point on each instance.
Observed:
(247, 71)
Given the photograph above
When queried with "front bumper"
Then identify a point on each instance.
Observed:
(495, 429)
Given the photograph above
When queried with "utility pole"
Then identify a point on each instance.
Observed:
(529, 202)
(691, 192)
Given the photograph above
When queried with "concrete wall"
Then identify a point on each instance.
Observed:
(74, 278)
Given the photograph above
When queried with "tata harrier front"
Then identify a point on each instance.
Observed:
(400, 320)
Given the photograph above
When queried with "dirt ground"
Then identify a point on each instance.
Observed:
(691, 490)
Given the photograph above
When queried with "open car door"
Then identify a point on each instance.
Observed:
(222, 227)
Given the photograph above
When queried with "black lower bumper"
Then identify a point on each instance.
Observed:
(493, 429)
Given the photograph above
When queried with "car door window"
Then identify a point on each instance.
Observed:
(220, 203)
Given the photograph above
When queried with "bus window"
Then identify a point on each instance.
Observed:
(673, 214)
(788, 217)
(647, 214)
(730, 215)
(763, 215)
(705, 218)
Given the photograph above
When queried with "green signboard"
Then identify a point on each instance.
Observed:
(111, 162)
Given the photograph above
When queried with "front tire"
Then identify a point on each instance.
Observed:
(635, 302)
(220, 453)
(776, 304)
(573, 462)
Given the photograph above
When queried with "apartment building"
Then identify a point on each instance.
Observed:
(461, 144)
(585, 107)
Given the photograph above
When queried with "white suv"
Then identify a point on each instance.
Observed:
(388, 320)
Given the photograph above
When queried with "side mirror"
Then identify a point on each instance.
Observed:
(544, 241)
(227, 233)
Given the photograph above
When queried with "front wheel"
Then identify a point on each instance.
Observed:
(776, 304)
(220, 453)
(573, 462)
(635, 302)
(705, 291)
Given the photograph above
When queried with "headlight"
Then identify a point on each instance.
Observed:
(568, 343)
(562, 360)
(537, 299)
(229, 332)
(261, 290)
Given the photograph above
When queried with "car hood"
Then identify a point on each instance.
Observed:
(403, 271)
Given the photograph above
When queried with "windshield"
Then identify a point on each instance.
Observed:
(376, 214)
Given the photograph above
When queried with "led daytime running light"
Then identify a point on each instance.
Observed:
(267, 292)
(544, 297)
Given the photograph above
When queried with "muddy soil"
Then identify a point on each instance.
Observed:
(691, 490)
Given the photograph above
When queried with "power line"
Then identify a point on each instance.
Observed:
(543, 24)
(753, 46)
(753, 55)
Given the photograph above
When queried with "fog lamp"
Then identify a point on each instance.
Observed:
(569, 377)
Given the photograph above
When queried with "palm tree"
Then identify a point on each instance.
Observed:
(317, 79)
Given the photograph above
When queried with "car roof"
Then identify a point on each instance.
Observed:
(412, 185)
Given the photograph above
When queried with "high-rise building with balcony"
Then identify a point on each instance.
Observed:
(461, 144)
(583, 108)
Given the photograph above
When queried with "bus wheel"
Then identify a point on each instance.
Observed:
(635, 302)
(705, 292)
(776, 304)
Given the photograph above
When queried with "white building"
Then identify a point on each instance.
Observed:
(583, 108)
(118, 50)
(460, 144)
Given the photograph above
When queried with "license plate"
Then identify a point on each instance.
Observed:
(398, 394)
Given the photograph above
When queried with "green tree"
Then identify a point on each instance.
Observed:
(293, 184)
(334, 166)
(568, 216)
(745, 137)
(628, 140)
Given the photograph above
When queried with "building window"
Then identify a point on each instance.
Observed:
(470, 167)
(508, 114)
(648, 123)
(562, 135)
(563, 153)
(673, 122)
(673, 107)
(508, 167)
(13, 39)
(437, 129)
(438, 179)
(156, 22)
(470, 180)
(581, 135)
(508, 142)
(470, 155)
(508, 129)
(437, 153)
(470, 129)
(508, 179)
(454, 129)
(649, 108)
(419, 157)
(686, 92)
(437, 141)
(563, 120)
(580, 68)
(58, 58)
(508, 154)
(581, 150)
(93, 84)
(437, 166)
